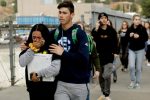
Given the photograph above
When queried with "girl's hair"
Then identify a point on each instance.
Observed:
(67, 4)
(44, 32)
(122, 25)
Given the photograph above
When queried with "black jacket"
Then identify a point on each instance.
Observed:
(139, 43)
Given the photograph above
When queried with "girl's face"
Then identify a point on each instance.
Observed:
(124, 25)
(37, 36)
(147, 25)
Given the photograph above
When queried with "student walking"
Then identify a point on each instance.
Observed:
(38, 43)
(74, 74)
(147, 26)
(106, 43)
(136, 36)
(123, 45)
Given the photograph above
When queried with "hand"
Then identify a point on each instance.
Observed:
(38, 44)
(56, 49)
(23, 46)
(34, 77)
(97, 25)
(131, 34)
(136, 36)
(96, 75)
(115, 55)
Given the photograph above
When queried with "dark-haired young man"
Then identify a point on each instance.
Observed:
(74, 74)
(106, 43)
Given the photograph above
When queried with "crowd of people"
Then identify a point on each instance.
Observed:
(78, 56)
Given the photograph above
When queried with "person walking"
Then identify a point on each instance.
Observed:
(38, 43)
(73, 77)
(147, 26)
(136, 37)
(123, 45)
(106, 43)
(93, 55)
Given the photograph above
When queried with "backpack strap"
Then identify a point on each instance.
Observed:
(90, 43)
(74, 36)
(56, 34)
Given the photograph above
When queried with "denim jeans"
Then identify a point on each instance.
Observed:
(135, 64)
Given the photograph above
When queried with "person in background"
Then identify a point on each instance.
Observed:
(147, 26)
(94, 59)
(74, 74)
(38, 42)
(123, 45)
(106, 43)
(136, 37)
(109, 22)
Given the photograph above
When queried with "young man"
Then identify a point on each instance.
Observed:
(106, 43)
(136, 36)
(74, 74)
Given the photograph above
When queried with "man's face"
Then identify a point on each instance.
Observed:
(65, 16)
(103, 20)
(137, 20)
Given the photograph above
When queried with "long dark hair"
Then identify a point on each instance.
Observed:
(45, 34)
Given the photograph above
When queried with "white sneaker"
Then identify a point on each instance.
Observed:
(132, 85)
(137, 86)
(102, 97)
(148, 64)
(107, 98)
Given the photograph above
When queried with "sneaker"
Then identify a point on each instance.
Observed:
(148, 64)
(132, 85)
(115, 79)
(122, 69)
(107, 98)
(137, 86)
(101, 97)
(125, 70)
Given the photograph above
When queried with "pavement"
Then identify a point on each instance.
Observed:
(119, 90)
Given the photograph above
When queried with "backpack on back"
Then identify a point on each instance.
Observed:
(74, 38)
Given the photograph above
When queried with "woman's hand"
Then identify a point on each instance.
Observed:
(34, 77)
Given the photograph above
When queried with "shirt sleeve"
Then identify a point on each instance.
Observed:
(26, 57)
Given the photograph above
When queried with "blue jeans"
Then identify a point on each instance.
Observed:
(135, 64)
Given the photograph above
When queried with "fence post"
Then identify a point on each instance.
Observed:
(11, 49)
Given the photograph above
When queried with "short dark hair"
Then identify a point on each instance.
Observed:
(136, 15)
(66, 4)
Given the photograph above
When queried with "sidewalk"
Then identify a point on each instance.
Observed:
(119, 90)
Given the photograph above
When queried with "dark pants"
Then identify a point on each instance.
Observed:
(41, 90)
(104, 83)
(148, 53)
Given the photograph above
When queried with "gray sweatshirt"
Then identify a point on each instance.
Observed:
(52, 70)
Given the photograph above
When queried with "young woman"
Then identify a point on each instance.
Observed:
(147, 26)
(38, 42)
(123, 45)
(136, 36)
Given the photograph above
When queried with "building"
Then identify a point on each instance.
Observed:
(49, 8)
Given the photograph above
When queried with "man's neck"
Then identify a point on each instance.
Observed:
(104, 27)
(67, 26)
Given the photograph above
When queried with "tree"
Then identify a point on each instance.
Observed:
(146, 8)
(3, 3)
(134, 7)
